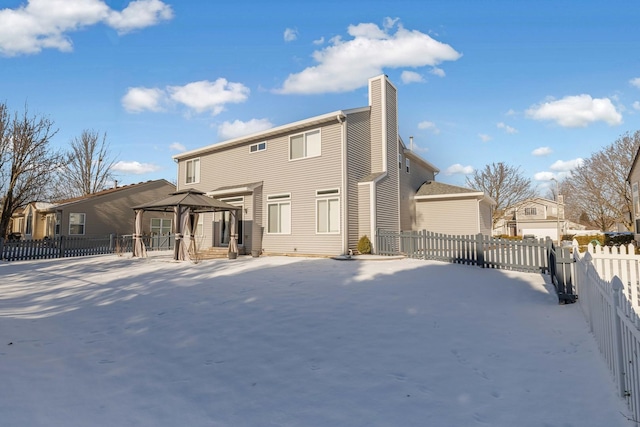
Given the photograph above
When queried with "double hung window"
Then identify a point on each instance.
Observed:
(193, 171)
(279, 214)
(76, 224)
(305, 145)
(327, 211)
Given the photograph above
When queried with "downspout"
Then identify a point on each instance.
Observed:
(345, 188)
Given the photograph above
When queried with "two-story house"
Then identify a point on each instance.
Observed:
(315, 186)
(538, 217)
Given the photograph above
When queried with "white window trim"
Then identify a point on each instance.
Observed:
(84, 223)
(399, 160)
(407, 163)
(328, 192)
(279, 199)
(319, 130)
(196, 178)
(328, 198)
(258, 149)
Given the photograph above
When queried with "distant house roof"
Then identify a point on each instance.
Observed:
(104, 193)
(440, 190)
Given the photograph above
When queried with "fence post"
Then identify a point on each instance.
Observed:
(616, 285)
(61, 247)
(480, 250)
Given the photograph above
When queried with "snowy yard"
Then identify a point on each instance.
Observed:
(274, 341)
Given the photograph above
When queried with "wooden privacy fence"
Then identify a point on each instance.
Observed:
(614, 324)
(535, 255)
(63, 246)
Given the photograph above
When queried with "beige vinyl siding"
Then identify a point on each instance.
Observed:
(364, 212)
(301, 178)
(409, 184)
(376, 125)
(112, 213)
(358, 166)
(452, 216)
(387, 191)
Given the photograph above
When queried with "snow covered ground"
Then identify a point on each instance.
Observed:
(275, 341)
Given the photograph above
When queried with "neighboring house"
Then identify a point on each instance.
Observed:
(449, 209)
(634, 181)
(98, 214)
(315, 186)
(29, 222)
(538, 216)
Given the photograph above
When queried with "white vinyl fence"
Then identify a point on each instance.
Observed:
(611, 316)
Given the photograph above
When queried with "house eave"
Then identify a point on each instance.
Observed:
(475, 195)
(258, 136)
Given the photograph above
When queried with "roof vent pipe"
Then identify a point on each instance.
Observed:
(411, 143)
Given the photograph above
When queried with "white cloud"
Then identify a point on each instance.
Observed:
(209, 96)
(290, 34)
(636, 105)
(198, 96)
(135, 168)
(411, 77)
(544, 176)
(429, 126)
(511, 112)
(346, 65)
(176, 146)
(635, 82)
(458, 169)
(506, 128)
(484, 137)
(139, 14)
(437, 72)
(542, 151)
(576, 111)
(239, 128)
(319, 41)
(566, 166)
(138, 99)
(45, 24)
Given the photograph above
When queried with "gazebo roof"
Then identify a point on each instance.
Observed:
(194, 199)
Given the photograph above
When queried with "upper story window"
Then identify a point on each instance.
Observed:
(261, 146)
(305, 145)
(530, 211)
(399, 160)
(193, 171)
(76, 224)
(407, 163)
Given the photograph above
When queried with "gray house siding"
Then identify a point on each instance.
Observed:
(364, 212)
(387, 192)
(486, 219)
(436, 216)
(300, 178)
(112, 213)
(409, 185)
(376, 126)
(358, 154)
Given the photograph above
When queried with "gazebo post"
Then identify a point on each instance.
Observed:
(233, 239)
(177, 237)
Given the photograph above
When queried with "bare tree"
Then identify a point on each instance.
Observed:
(598, 190)
(504, 184)
(88, 168)
(27, 161)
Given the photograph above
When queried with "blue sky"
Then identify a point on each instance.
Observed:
(539, 85)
